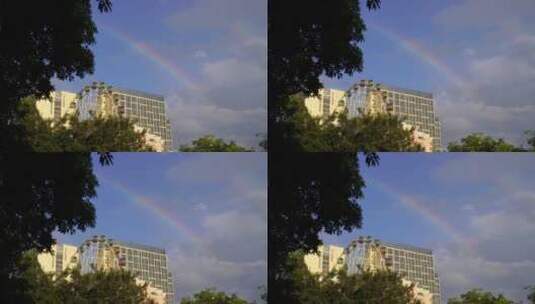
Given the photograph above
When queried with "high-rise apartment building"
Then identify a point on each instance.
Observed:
(149, 264)
(326, 103)
(413, 263)
(57, 105)
(146, 110)
(415, 107)
(60, 258)
(327, 258)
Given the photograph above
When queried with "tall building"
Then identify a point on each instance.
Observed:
(147, 110)
(57, 105)
(60, 258)
(326, 103)
(415, 264)
(327, 258)
(149, 264)
(415, 107)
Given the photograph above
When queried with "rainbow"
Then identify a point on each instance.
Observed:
(151, 205)
(150, 53)
(414, 47)
(428, 213)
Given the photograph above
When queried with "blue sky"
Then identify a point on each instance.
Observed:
(476, 56)
(208, 211)
(474, 210)
(207, 57)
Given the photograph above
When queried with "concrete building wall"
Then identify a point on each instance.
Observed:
(59, 104)
(47, 260)
(61, 257)
(155, 294)
(421, 294)
(328, 102)
(327, 259)
(423, 139)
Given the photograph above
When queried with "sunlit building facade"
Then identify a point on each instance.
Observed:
(149, 264)
(416, 108)
(327, 258)
(57, 105)
(416, 265)
(146, 110)
(59, 259)
(326, 103)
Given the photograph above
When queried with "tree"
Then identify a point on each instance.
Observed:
(530, 139)
(99, 286)
(339, 133)
(41, 193)
(46, 39)
(531, 294)
(478, 296)
(69, 134)
(263, 144)
(479, 142)
(307, 39)
(378, 287)
(211, 296)
(338, 287)
(210, 143)
(309, 193)
(70, 286)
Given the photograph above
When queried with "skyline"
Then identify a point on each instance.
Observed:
(208, 58)
(473, 211)
(189, 206)
(476, 57)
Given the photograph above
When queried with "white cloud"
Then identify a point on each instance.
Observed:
(200, 54)
(497, 67)
(230, 96)
(230, 251)
(499, 222)
(190, 121)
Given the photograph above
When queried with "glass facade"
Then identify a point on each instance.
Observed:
(415, 107)
(416, 264)
(147, 263)
(146, 110)
(98, 253)
(365, 254)
(413, 263)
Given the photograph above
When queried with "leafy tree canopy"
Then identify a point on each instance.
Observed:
(70, 134)
(41, 193)
(479, 142)
(307, 39)
(72, 287)
(211, 296)
(301, 132)
(478, 296)
(52, 39)
(309, 193)
(338, 287)
(210, 143)
(531, 294)
(530, 139)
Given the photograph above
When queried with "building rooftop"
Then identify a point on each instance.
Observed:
(366, 82)
(138, 93)
(408, 247)
(392, 244)
(139, 246)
